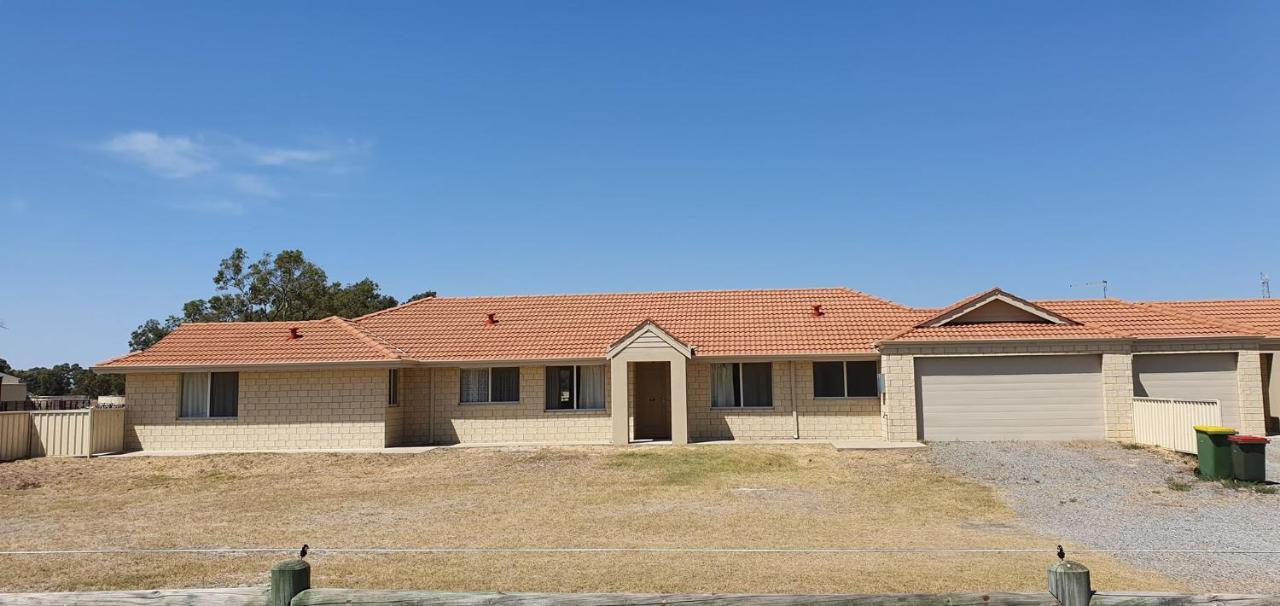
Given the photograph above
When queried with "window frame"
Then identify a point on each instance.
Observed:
(739, 397)
(208, 395)
(393, 388)
(844, 373)
(546, 406)
(489, 373)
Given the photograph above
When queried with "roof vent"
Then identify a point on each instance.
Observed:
(294, 334)
(817, 311)
(491, 319)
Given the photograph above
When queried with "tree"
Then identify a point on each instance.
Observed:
(151, 331)
(64, 379)
(273, 288)
(426, 294)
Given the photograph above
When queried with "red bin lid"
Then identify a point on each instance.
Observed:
(1248, 439)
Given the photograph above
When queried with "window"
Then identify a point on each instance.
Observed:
(393, 387)
(484, 385)
(575, 387)
(210, 395)
(742, 385)
(845, 379)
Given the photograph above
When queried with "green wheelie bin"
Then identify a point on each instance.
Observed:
(1249, 458)
(1214, 451)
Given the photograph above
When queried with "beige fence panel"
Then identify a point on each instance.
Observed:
(15, 435)
(77, 433)
(106, 430)
(60, 433)
(1167, 423)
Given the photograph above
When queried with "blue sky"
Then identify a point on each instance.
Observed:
(920, 151)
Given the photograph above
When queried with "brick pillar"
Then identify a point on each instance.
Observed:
(898, 403)
(1117, 386)
(1249, 380)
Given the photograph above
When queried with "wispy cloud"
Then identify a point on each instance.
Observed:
(215, 207)
(228, 167)
(173, 157)
(253, 185)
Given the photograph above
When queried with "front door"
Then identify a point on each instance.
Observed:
(653, 400)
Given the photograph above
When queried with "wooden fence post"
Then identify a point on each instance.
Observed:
(288, 579)
(1069, 583)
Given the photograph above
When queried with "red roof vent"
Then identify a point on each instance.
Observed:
(491, 319)
(294, 334)
(817, 311)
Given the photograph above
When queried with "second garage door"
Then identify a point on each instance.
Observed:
(1010, 398)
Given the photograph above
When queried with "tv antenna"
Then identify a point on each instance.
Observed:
(1103, 283)
(1266, 286)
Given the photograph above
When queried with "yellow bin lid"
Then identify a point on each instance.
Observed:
(1216, 430)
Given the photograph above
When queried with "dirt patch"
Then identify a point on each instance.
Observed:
(694, 497)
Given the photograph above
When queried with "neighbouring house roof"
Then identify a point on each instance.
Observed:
(714, 323)
(1260, 314)
(206, 345)
(9, 379)
(1144, 321)
(733, 323)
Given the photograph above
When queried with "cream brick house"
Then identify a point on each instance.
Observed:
(832, 364)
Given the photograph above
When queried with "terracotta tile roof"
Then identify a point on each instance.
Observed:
(331, 340)
(716, 323)
(995, 331)
(1095, 318)
(1142, 321)
(1262, 315)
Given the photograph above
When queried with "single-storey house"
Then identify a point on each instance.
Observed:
(829, 363)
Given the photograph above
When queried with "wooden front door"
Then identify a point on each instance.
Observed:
(653, 400)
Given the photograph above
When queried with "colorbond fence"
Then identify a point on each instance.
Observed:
(1167, 423)
(61, 433)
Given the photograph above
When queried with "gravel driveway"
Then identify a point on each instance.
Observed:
(1104, 496)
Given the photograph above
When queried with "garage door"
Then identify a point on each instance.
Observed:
(1209, 376)
(1011, 398)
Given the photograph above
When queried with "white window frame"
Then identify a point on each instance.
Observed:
(546, 406)
(844, 371)
(489, 372)
(741, 404)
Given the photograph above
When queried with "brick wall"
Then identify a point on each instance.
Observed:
(820, 419)
(527, 421)
(277, 410)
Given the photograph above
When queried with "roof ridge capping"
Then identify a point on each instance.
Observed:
(374, 340)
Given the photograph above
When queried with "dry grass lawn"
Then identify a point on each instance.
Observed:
(703, 496)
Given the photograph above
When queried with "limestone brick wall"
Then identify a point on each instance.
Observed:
(276, 410)
(819, 418)
(526, 421)
(1249, 381)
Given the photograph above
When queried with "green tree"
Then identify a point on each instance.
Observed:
(151, 331)
(278, 287)
(426, 294)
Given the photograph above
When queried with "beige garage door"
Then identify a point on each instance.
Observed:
(1010, 398)
(1208, 376)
